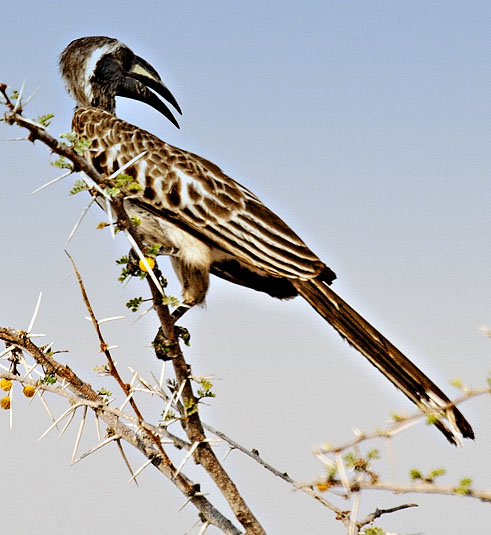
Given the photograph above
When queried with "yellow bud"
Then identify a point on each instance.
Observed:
(28, 391)
(6, 384)
(150, 262)
(5, 403)
(322, 486)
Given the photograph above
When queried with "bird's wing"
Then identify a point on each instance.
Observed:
(196, 196)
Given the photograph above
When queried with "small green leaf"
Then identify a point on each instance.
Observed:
(457, 382)
(45, 120)
(49, 379)
(134, 303)
(78, 186)
(62, 163)
(373, 530)
(464, 486)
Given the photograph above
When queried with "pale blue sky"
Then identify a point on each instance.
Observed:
(366, 126)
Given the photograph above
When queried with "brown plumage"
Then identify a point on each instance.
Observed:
(211, 223)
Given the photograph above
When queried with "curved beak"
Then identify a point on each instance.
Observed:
(137, 82)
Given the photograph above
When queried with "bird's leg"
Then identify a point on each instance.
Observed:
(161, 343)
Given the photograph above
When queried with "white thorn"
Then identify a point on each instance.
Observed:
(162, 374)
(19, 98)
(144, 313)
(36, 310)
(126, 401)
(56, 422)
(229, 451)
(140, 470)
(110, 217)
(28, 99)
(113, 318)
(342, 473)
(91, 184)
(204, 527)
(11, 410)
(126, 165)
(79, 435)
(46, 406)
(69, 421)
(174, 397)
(95, 448)
(79, 221)
(98, 427)
(58, 178)
(5, 351)
(353, 530)
(187, 457)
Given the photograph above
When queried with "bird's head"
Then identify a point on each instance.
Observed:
(98, 69)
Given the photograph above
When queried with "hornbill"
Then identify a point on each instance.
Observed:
(212, 224)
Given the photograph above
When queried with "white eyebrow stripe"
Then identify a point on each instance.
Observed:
(91, 61)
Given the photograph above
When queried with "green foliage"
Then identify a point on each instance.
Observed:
(373, 530)
(102, 370)
(170, 416)
(416, 475)
(359, 463)
(191, 406)
(103, 392)
(170, 301)
(136, 221)
(374, 454)
(14, 95)
(49, 379)
(457, 382)
(71, 137)
(79, 145)
(432, 419)
(45, 120)
(464, 486)
(397, 417)
(133, 304)
(78, 186)
(62, 163)
(154, 250)
(82, 146)
(125, 184)
(205, 390)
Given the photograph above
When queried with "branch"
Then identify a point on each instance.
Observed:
(84, 394)
(203, 454)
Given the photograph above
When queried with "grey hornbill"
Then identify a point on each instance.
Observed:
(211, 223)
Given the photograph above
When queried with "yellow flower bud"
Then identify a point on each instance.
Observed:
(5, 403)
(28, 391)
(6, 384)
(322, 486)
(150, 261)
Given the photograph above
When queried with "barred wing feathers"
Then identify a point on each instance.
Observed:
(195, 195)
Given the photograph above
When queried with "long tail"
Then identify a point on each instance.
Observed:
(385, 357)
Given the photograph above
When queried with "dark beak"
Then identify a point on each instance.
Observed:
(137, 82)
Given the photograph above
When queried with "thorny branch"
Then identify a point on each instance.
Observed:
(203, 453)
(83, 393)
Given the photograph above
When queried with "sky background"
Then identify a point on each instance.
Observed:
(365, 126)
